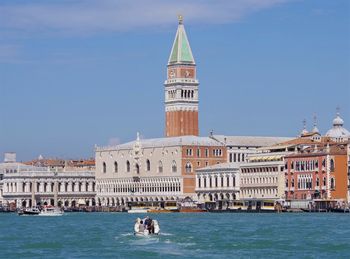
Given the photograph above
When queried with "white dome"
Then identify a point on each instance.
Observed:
(338, 121)
(338, 132)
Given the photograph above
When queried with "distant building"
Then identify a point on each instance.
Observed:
(21, 183)
(181, 88)
(239, 147)
(262, 177)
(218, 183)
(154, 170)
(263, 174)
(317, 172)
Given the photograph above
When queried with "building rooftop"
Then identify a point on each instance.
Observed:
(250, 141)
(164, 142)
(218, 167)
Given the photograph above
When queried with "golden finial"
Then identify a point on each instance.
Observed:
(180, 18)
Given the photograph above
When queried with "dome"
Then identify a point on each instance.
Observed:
(338, 132)
(338, 121)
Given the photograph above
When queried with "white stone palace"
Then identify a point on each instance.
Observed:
(23, 183)
(160, 169)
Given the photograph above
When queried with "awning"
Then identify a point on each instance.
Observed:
(81, 202)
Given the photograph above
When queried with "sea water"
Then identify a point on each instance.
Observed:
(183, 235)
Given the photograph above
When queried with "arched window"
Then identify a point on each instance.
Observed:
(174, 167)
(332, 165)
(115, 167)
(128, 166)
(324, 181)
(332, 183)
(137, 168)
(317, 181)
(188, 167)
(148, 165)
(160, 167)
(104, 167)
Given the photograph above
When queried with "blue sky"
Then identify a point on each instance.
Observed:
(78, 73)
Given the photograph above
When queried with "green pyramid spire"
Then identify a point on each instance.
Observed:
(181, 50)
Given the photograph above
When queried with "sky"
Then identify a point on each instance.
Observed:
(80, 73)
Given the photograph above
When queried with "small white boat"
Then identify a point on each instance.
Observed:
(51, 211)
(140, 230)
(138, 210)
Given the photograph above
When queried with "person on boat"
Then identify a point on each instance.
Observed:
(141, 226)
(148, 224)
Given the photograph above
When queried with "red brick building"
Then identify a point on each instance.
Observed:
(317, 172)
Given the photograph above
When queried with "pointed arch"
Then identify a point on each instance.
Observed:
(148, 165)
(127, 166)
(173, 167)
(188, 167)
(115, 166)
(160, 166)
(104, 167)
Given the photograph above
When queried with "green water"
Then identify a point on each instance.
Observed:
(109, 235)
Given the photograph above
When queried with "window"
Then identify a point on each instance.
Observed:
(317, 181)
(104, 167)
(227, 181)
(189, 152)
(148, 165)
(174, 167)
(287, 183)
(332, 165)
(199, 182)
(332, 183)
(160, 167)
(198, 152)
(292, 182)
(324, 181)
(188, 167)
(137, 168)
(234, 157)
(115, 167)
(128, 166)
(206, 152)
(216, 182)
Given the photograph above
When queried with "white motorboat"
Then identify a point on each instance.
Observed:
(138, 210)
(51, 211)
(140, 229)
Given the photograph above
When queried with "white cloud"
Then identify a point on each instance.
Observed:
(91, 16)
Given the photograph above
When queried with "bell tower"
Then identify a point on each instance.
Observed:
(181, 88)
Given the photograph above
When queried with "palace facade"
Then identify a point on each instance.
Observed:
(27, 185)
(160, 169)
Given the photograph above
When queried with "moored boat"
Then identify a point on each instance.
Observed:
(29, 211)
(138, 210)
(51, 211)
(192, 210)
